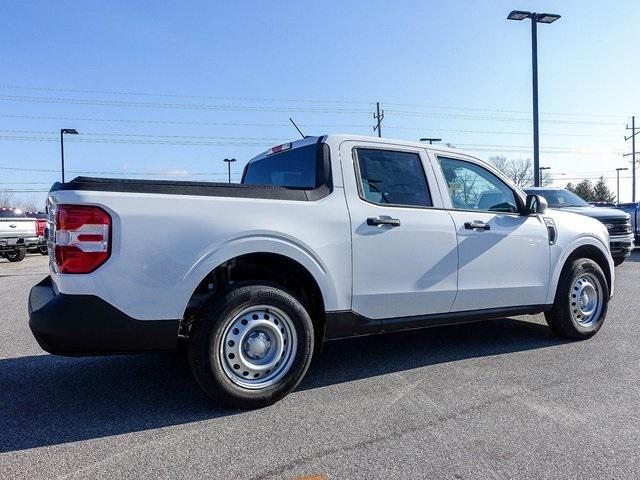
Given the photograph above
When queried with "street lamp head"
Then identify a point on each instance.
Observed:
(545, 168)
(622, 168)
(546, 17)
(229, 160)
(69, 131)
(518, 15)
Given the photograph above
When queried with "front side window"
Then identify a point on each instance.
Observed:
(392, 178)
(472, 187)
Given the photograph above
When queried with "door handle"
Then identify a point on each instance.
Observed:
(376, 221)
(476, 225)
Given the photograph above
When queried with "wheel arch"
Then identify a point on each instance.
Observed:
(591, 249)
(270, 267)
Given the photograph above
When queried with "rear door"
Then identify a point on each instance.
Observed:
(503, 255)
(404, 244)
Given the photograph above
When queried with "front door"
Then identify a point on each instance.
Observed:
(503, 256)
(404, 250)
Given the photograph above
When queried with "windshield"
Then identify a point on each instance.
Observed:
(560, 198)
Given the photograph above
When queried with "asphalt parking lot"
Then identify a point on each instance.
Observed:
(499, 399)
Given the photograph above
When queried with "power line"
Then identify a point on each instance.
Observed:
(408, 113)
(137, 142)
(178, 106)
(177, 95)
(147, 135)
(286, 125)
(245, 108)
(288, 100)
(167, 173)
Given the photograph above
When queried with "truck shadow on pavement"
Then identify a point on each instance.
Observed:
(48, 400)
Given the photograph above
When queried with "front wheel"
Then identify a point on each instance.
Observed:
(16, 255)
(251, 346)
(581, 301)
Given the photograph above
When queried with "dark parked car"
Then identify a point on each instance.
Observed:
(633, 209)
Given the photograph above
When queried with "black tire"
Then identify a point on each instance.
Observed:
(16, 255)
(208, 333)
(561, 318)
(618, 260)
(43, 250)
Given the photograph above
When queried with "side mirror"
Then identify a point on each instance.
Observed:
(535, 204)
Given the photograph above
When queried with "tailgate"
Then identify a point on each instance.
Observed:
(17, 227)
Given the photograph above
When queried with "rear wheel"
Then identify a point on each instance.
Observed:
(251, 346)
(16, 255)
(43, 250)
(581, 301)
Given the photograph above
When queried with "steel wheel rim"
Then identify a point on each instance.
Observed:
(258, 347)
(585, 299)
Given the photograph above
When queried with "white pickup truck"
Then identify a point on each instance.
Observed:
(17, 233)
(325, 237)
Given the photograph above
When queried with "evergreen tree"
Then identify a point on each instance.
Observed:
(584, 190)
(601, 192)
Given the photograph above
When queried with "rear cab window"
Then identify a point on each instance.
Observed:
(283, 166)
(393, 178)
(11, 213)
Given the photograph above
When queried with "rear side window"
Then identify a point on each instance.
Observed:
(300, 167)
(392, 178)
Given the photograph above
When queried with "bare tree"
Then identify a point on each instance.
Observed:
(520, 171)
(7, 199)
(30, 204)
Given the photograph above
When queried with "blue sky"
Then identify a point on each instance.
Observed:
(201, 81)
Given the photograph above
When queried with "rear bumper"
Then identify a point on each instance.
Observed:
(8, 244)
(87, 325)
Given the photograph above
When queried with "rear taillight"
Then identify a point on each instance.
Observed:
(82, 238)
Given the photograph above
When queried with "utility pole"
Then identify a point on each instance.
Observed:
(378, 116)
(618, 170)
(634, 132)
(229, 161)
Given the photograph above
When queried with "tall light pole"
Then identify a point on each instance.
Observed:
(63, 132)
(430, 140)
(541, 169)
(229, 161)
(535, 19)
(618, 170)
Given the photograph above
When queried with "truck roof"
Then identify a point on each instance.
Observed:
(341, 137)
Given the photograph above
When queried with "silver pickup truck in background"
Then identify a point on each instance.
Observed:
(17, 233)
